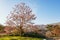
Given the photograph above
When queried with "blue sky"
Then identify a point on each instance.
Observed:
(47, 11)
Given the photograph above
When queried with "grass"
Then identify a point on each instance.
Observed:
(18, 38)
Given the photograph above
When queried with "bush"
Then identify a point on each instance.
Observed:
(32, 34)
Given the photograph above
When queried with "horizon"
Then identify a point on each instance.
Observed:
(46, 11)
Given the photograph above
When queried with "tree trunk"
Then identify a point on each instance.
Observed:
(21, 30)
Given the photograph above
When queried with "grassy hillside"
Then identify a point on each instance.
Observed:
(18, 38)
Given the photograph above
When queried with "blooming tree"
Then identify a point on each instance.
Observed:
(20, 16)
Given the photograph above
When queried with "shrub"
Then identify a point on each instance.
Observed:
(32, 34)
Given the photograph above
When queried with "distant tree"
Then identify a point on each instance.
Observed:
(49, 27)
(20, 16)
(1, 28)
(15, 32)
(53, 31)
(56, 30)
(48, 34)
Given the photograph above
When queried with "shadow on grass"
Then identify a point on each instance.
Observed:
(33, 35)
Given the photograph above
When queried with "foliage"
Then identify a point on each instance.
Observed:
(32, 34)
(49, 27)
(48, 34)
(1, 28)
(15, 32)
(53, 31)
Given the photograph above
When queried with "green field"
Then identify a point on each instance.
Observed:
(18, 38)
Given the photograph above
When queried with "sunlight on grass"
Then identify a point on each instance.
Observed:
(19, 38)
